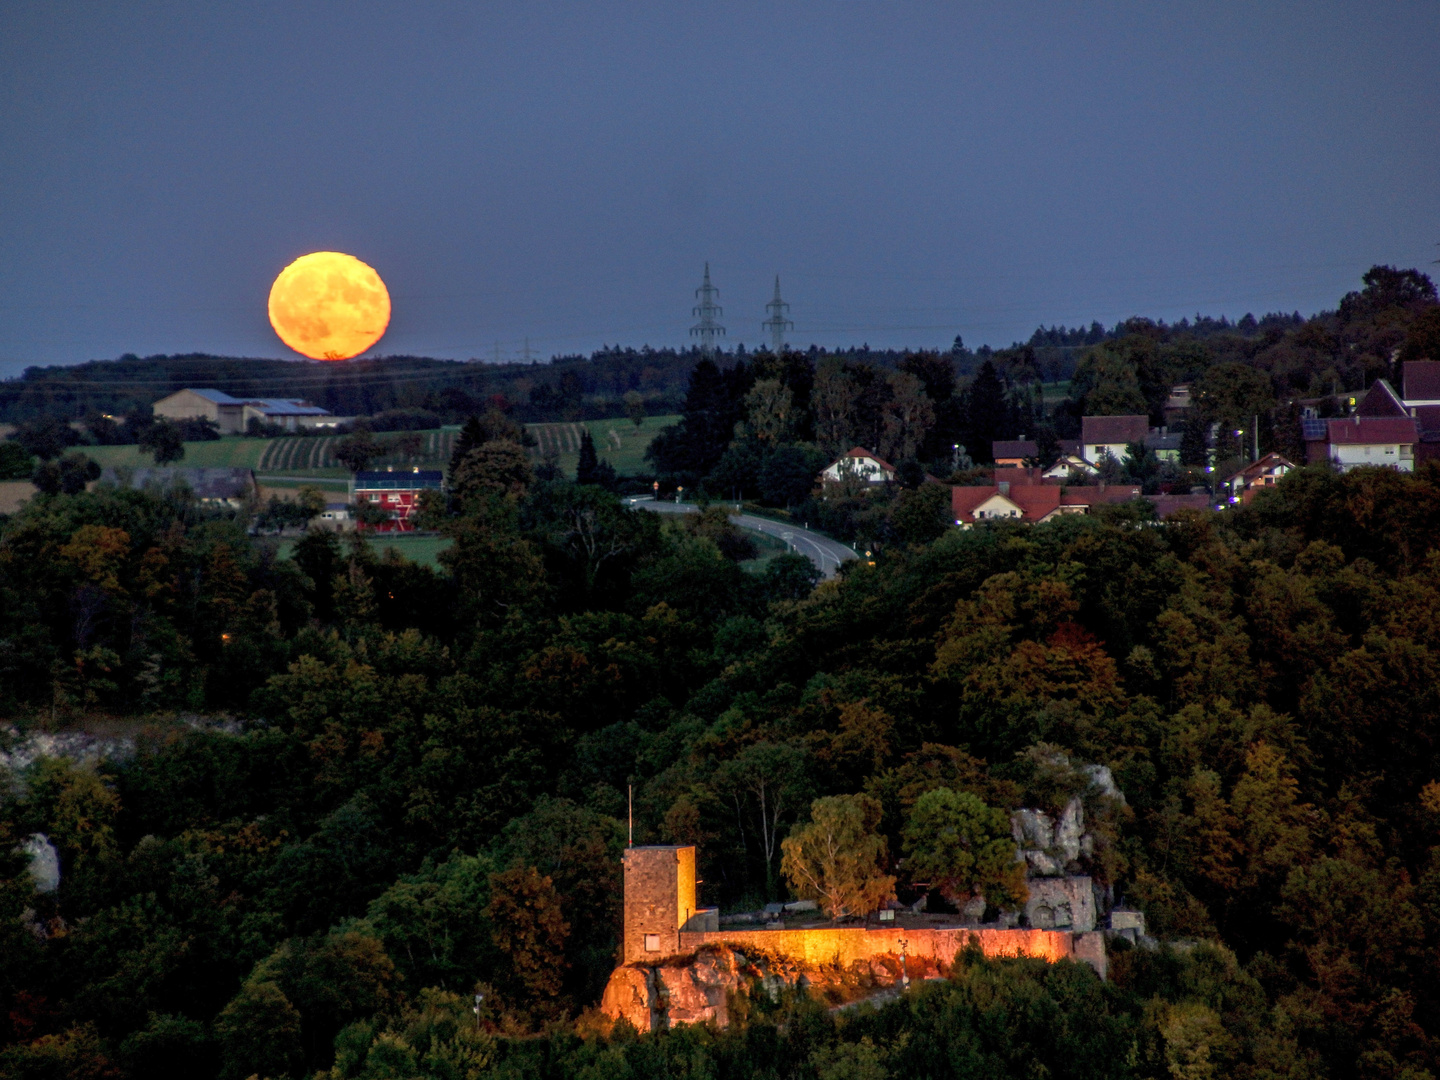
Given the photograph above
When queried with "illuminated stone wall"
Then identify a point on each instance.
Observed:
(847, 945)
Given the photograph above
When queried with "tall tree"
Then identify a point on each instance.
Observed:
(988, 414)
(963, 848)
(833, 401)
(909, 415)
(838, 857)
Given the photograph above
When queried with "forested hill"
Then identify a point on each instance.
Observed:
(566, 388)
(357, 791)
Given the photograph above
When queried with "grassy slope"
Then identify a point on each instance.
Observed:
(628, 458)
(230, 450)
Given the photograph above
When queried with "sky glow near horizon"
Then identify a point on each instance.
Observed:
(561, 173)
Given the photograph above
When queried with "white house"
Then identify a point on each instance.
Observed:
(1101, 435)
(858, 464)
(1373, 440)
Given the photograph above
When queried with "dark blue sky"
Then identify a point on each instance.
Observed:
(562, 171)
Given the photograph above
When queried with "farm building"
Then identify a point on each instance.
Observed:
(396, 491)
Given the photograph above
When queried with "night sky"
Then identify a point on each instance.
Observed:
(563, 171)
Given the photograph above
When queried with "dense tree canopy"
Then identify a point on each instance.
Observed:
(345, 793)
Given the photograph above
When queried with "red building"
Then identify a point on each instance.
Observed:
(396, 491)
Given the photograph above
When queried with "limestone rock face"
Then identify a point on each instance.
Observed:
(627, 996)
(697, 992)
(1065, 903)
(1070, 830)
(697, 989)
(44, 862)
(1032, 829)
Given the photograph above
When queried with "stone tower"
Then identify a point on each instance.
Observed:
(659, 900)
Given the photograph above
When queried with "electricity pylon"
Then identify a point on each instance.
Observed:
(777, 324)
(707, 329)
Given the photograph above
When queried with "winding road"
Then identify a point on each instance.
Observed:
(826, 554)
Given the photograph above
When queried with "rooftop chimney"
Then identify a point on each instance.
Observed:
(1004, 487)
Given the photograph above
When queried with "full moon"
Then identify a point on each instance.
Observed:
(329, 306)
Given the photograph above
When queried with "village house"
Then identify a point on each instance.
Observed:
(1164, 444)
(1177, 405)
(1365, 440)
(1008, 500)
(1013, 452)
(1420, 380)
(1070, 462)
(1101, 435)
(858, 464)
(232, 487)
(1242, 486)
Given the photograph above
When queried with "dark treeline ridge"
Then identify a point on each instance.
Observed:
(362, 790)
(1295, 350)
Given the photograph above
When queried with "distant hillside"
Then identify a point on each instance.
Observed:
(567, 389)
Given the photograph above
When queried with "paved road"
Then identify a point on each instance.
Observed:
(825, 553)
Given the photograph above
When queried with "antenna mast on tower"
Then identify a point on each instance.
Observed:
(777, 324)
(707, 329)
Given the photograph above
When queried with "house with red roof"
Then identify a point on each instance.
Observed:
(1372, 440)
(1035, 503)
(1264, 473)
(858, 464)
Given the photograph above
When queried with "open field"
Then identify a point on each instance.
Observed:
(619, 442)
(303, 453)
(230, 450)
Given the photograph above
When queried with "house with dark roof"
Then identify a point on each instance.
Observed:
(858, 464)
(288, 413)
(1420, 379)
(1101, 435)
(229, 486)
(1006, 452)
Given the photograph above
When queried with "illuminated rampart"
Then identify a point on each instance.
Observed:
(671, 971)
(844, 946)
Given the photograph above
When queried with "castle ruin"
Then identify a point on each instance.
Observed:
(678, 965)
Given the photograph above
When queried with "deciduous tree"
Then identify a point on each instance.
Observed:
(838, 858)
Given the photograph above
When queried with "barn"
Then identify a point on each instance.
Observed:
(396, 491)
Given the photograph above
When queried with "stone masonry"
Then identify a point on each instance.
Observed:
(663, 926)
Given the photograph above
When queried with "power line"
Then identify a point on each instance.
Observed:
(708, 328)
(777, 323)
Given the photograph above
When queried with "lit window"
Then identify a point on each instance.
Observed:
(652, 942)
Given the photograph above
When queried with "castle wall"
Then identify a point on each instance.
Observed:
(846, 945)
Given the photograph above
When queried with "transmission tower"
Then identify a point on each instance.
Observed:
(777, 324)
(707, 329)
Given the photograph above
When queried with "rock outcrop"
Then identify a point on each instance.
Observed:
(701, 988)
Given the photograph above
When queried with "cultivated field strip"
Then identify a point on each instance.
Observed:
(306, 453)
(555, 439)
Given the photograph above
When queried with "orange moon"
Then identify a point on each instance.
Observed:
(329, 306)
